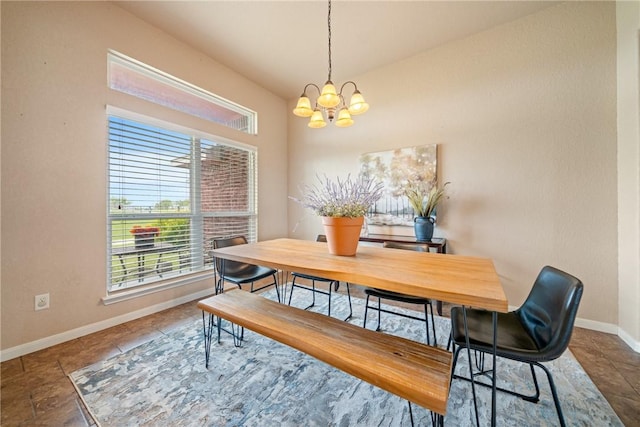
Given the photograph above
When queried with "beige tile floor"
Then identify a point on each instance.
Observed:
(35, 390)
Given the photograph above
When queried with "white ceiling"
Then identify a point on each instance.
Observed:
(282, 45)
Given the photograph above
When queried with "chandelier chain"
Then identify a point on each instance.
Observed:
(329, 25)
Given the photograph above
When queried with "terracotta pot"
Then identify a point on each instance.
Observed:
(342, 234)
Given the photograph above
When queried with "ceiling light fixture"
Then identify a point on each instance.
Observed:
(329, 101)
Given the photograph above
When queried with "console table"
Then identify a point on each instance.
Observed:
(439, 243)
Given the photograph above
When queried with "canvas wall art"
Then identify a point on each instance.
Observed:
(398, 169)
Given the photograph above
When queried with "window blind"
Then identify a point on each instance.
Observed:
(170, 194)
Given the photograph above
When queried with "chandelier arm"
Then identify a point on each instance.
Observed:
(304, 92)
(345, 83)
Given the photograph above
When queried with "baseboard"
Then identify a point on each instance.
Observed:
(610, 329)
(52, 340)
(634, 344)
(43, 343)
(597, 326)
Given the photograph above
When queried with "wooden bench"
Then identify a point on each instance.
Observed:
(409, 369)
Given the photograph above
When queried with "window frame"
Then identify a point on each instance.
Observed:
(191, 93)
(196, 215)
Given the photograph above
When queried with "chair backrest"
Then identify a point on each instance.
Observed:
(230, 267)
(549, 312)
(419, 247)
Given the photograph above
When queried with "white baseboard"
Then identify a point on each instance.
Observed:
(43, 343)
(597, 326)
(52, 340)
(634, 344)
(609, 329)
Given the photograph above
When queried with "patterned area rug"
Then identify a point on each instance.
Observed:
(264, 383)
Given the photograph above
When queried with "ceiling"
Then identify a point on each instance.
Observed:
(282, 45)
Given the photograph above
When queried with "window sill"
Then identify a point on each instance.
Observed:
(119, 296)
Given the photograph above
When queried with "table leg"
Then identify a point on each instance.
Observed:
(495, 371)
(473, 383)
(283, 279)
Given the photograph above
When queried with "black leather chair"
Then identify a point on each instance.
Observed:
(382, 294)
(538, 331)
(332, 284)
(241, 273)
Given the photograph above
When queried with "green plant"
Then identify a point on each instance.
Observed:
(349, 198)
(424, 203)
(174, 230)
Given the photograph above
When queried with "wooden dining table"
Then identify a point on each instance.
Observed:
(458, 279)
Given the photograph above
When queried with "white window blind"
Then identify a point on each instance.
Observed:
(171, 193)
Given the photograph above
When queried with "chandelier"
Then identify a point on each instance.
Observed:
(329, 101)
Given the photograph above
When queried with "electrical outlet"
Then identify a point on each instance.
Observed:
(42, 302)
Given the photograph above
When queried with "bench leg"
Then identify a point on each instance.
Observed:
(208, 334)
(237, 337)
(437, 420)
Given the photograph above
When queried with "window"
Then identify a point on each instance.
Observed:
(171, 192)
(143, 81)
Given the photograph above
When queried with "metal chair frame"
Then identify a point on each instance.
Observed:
(550, 283)
(335, 284)
(394, 296)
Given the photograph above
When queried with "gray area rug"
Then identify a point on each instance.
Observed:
(264, 383)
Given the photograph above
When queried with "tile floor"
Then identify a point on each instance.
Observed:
(35, 390)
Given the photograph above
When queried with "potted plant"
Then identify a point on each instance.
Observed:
(144, 236)
(342, 204)
(424, 204)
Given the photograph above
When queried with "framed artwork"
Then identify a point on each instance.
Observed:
(398, 169)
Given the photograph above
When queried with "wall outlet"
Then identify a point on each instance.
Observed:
(42, 302)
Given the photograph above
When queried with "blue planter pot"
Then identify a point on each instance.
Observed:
(423, 228)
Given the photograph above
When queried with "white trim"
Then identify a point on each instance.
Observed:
(608, 328)
(628, 339)
(149, 120)
(137, 292)
(52, 340)
(40, 344)
(133, 65)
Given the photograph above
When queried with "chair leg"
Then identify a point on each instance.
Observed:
(426, 322)
(379, 314)
(366, 309)
(293, 286)
(350, 307)
(534, 398)
(329, 310)
(554, 392)
(275, 285)
(433, 326)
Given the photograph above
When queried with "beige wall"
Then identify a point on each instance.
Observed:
(525, 118)
(628, 23)
(54, 92)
